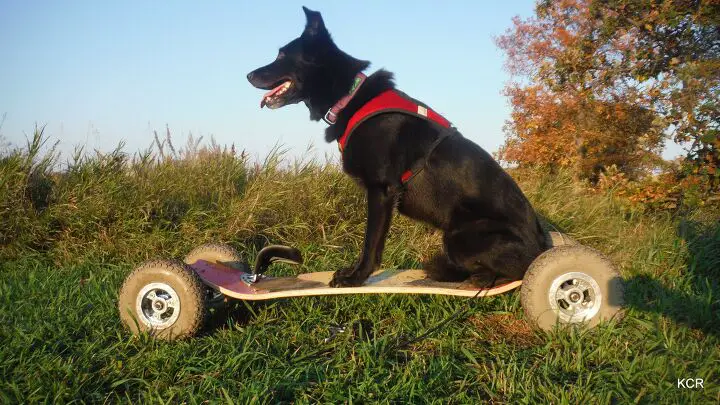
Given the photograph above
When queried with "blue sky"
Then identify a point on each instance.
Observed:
(98, 72)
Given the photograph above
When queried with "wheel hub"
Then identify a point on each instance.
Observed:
(575, 297)
(158, 305)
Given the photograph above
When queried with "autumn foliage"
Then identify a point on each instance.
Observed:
(605, 84)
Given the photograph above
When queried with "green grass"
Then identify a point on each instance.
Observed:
(68, 239)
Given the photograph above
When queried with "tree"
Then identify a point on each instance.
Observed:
(675, 54)
(603, 82)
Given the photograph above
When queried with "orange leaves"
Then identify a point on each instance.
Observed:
(540, 132)
(557, 28)
(567, 129)
(609, 82)
(564, 36)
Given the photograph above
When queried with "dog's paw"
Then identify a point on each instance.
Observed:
(346, 278)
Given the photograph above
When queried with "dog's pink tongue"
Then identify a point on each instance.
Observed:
(269, 94)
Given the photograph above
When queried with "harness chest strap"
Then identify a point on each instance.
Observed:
(396, 101)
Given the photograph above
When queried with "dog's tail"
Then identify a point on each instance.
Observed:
(276, 253)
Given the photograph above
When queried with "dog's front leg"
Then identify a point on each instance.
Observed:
(380, 207)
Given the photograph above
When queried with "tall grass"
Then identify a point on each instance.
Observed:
(67, 238)
(117, 208)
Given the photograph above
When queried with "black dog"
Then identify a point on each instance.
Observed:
(406, 159)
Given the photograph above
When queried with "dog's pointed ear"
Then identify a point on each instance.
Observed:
(314, 24)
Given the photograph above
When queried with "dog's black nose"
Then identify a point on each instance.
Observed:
(250, 76)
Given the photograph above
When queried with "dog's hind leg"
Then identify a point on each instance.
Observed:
(439, 268)
(488, 253)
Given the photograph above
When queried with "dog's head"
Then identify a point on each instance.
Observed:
(306, 69)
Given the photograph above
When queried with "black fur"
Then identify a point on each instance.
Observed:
(491, 232)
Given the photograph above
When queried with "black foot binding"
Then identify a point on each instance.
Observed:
(276, 253)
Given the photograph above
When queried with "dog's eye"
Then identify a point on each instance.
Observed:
(280, 55)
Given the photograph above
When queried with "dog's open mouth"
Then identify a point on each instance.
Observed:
(276, 97)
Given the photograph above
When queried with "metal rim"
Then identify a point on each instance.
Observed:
(158, 305)
(575, 297)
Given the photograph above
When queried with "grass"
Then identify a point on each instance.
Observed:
(68, 239)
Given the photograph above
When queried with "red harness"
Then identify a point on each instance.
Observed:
(397, 102)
